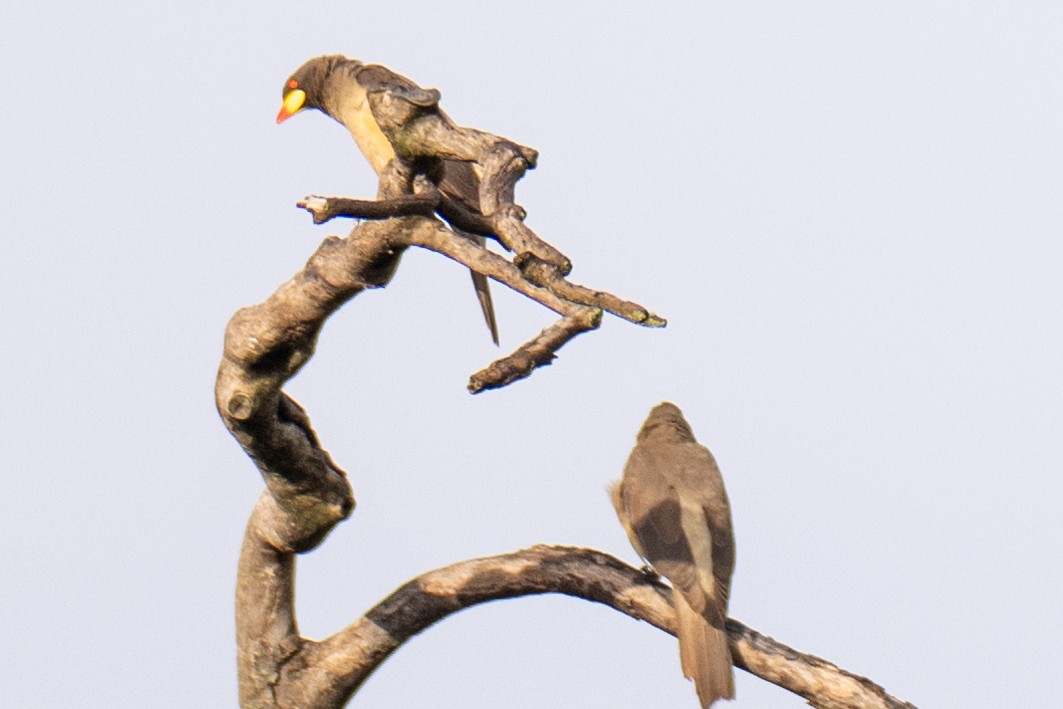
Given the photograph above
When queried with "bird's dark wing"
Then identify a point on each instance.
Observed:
(653, 510)
(459, 179)
(461, 183)
(698, 478)
(369, 74)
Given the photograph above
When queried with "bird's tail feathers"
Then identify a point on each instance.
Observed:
(483, 294)
(704, 654)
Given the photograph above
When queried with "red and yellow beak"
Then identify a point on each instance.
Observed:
(293, 103)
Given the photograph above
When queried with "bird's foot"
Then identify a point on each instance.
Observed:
(651, 575)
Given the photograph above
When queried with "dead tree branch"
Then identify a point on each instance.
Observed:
(593, 576)
(326, 674)
(307, 494)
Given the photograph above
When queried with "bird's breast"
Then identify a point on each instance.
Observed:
(354, 112)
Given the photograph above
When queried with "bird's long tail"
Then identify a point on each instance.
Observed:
(483, 294)
(704, 654)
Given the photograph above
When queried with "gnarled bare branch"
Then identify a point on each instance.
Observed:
(325, 674)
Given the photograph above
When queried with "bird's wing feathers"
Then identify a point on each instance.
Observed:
(650, 500)
(674, 511)
(702, 482)
(653, 509)
(459, 180)
(723, 563)
(461, 183)
(369, 74)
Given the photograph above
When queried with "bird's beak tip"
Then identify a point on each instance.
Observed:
(293, 103)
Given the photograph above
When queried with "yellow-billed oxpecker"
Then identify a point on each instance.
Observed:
(337, 86)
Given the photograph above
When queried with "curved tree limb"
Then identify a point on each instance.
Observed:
(325, 674)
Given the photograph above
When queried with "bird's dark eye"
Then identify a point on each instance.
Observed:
(293, 84)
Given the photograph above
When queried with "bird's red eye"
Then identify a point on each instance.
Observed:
(293, 84)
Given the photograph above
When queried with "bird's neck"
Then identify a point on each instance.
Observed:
(347, 102)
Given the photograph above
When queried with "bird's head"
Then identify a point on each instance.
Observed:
(666, 423)
(305, 88)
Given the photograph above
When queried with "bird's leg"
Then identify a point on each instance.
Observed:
(651, 575)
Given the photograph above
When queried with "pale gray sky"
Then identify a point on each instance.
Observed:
(849, 212)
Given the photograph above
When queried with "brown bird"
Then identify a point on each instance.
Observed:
(673, 505)
(336, 86)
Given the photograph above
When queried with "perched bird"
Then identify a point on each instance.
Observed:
(672, 503)
(336, 86)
